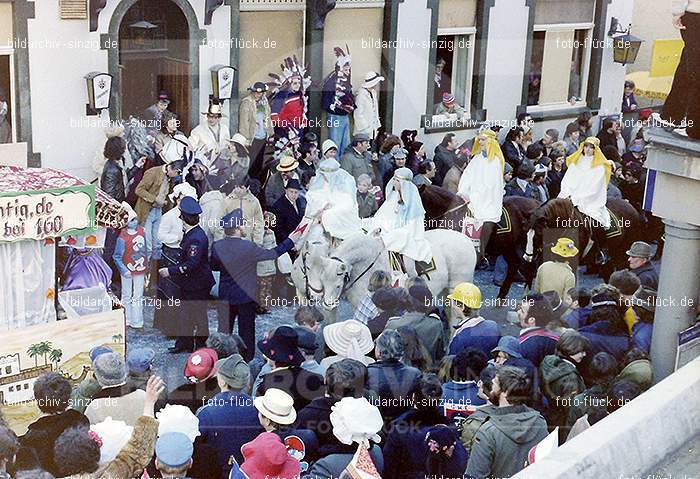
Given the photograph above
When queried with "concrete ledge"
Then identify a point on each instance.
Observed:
(633, 440)
(672, 154)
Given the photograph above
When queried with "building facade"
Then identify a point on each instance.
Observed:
(16, 384)
(551, 58)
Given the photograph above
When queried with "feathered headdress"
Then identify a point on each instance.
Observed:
(342, 58)
(291, 68)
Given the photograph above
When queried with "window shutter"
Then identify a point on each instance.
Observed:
(74, 9)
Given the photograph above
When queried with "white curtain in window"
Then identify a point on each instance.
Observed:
(460, 70)
(556, 66)
(27, 272)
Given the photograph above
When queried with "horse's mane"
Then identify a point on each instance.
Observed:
(556, 208)
(437, 200)
(358, 248)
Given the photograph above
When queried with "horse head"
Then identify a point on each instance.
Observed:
(335, 276)
(348, 270)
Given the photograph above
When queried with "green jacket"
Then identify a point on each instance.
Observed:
(357, 163)
(429, 329)
(83, 393)
(502, 444)
(560, 379)
(472, 423)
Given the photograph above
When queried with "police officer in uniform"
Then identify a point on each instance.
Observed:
(195, 279)
(237, 258)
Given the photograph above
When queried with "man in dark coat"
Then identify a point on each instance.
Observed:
(521, 185)
(289, 210)
(237, 258)
(445, 156)
(195, 279)
(640, 263)
(390, 378)
(229, 420)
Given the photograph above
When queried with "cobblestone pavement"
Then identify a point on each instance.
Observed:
(170, 366)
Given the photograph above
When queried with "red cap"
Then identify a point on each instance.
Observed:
(200, 365)
(646, 113)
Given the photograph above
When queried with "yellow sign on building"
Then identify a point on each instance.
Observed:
(665, 57)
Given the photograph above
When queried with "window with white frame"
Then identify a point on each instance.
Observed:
(561, 53)
(454, 47)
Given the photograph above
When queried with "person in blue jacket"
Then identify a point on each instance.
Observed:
(644, 306)
(194, 277)
(236, 258)
(607, 330)
(472, 330)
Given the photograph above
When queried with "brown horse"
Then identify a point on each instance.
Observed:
(444, 209)
(559, 218)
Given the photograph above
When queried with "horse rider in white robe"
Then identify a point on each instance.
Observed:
(401, 218)
(335, 190)
(481, 185)
(211, 136)
(585, 183)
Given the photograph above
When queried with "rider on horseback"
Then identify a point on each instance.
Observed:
(585, 183)
(401, 218)
(334, 189)
(481, 185)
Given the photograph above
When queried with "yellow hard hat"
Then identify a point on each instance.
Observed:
(467, 294)
(565, 248)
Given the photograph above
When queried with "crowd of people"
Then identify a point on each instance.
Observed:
(397, 391)
(396, 395)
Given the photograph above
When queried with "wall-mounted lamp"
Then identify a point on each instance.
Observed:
(99, 88)
(625, 46)
(222, 81)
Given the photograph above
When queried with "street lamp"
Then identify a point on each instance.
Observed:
(625, 45)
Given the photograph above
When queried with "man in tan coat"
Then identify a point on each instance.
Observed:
(241, 197)
(255, 123)
(557, 275)
(152, 192)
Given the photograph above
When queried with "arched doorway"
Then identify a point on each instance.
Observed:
(155, 53)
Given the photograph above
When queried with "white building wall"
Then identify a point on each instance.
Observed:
(412, 57)
(61, 53)
(505, 59)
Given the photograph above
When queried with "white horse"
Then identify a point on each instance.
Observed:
(316, 245)
(348, 270)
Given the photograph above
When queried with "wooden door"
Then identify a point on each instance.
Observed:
(174, 78)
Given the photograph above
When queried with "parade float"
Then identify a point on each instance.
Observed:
(54, 285)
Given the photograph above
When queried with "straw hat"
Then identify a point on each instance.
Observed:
(371, 79)
(349, 338)
(287, 163)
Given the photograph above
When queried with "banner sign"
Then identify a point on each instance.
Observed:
(37, 215)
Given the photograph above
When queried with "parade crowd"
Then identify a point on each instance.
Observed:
(406, 388)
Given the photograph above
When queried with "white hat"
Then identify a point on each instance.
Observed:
(350, 339)
(371, 79)
(129, 210)
(327, 145)
(183, 189)
(240, 139)
(277, 406)
(114, 435)
(403, 174)
(356, 420)
(176, 418)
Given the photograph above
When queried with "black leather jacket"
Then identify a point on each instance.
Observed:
(112, 181)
